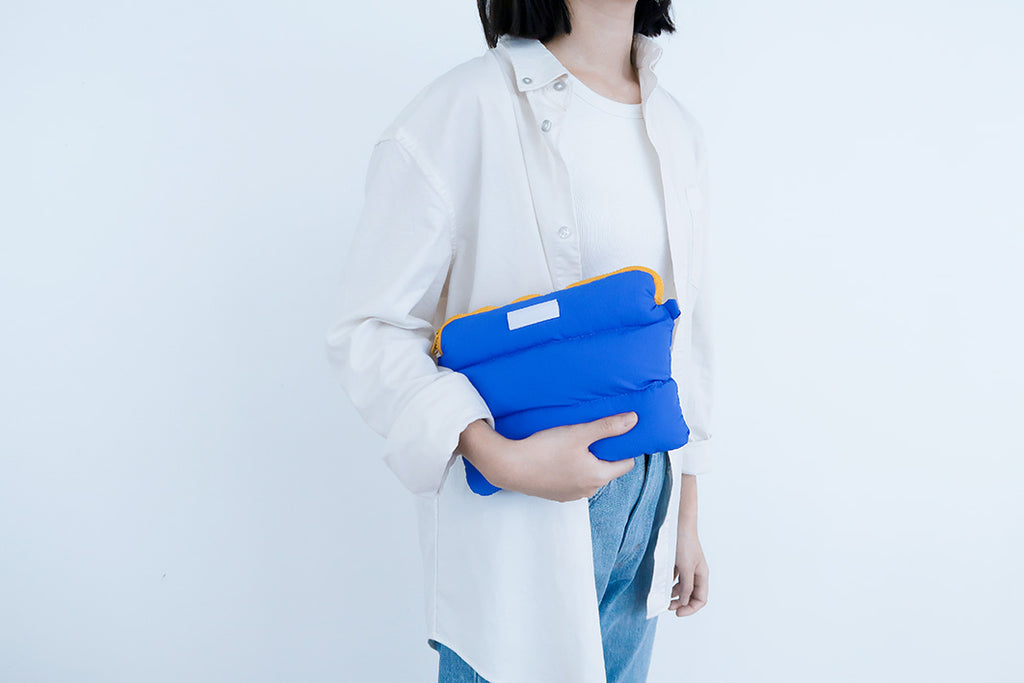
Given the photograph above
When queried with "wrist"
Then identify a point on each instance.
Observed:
(486, 450)
(688, 504)
(687, 525)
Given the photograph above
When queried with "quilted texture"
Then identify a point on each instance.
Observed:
(598, 347)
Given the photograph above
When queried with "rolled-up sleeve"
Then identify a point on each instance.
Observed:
(379, 344)
(693, 365)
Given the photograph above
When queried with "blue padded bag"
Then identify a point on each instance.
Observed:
(597, 347)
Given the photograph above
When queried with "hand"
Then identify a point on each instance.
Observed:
(554, 463)
(690, 592)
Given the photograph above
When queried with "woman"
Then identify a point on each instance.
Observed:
(552, 157)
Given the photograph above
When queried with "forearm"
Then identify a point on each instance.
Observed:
(688, 503)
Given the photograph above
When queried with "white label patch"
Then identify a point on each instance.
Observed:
(533, 314)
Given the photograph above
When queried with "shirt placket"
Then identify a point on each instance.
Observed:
(540, 126)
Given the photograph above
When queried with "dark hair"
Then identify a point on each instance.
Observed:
(545, 19)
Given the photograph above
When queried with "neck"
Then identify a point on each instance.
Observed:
(601, 42)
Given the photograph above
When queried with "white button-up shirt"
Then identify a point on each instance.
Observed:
(468, 204)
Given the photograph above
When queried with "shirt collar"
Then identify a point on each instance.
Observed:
(535, 66)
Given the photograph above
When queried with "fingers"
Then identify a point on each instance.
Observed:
(612, 425)
(699, 596)
(682, 589)
(675, 604)
(690, 593)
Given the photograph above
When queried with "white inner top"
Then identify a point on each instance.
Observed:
(616, 185)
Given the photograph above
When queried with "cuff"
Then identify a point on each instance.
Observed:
(423, 441)
(692, 458)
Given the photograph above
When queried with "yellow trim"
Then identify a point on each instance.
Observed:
(659, 293)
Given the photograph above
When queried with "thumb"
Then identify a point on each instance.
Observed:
(616, 468)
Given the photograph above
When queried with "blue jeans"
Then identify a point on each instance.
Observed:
(623, 516)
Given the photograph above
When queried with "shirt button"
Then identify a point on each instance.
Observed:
(545, 125)
(527, 79)
(564, 231)
(559, 85)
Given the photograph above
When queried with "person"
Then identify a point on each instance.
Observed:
(553, 156)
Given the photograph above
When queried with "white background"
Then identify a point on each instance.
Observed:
(186, 494)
